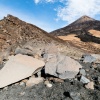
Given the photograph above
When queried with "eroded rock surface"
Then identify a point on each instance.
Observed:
(61, 66)
(17, 68)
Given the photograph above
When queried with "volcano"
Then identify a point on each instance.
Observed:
(84, 33)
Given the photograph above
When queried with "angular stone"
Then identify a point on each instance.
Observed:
(22, 83)
(97, 57)
(75, 96)
(99, 79)
(18, 68)
(61, 66)
(89, 59)
(84, 80)
(82, 71)
(19, 50)
(90, 85)
(32, 81)
(48, 84)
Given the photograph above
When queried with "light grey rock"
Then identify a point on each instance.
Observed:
(48, 84)
(99, 79)
(84, 80)
(18, 68)
(83, 72)
(22, 83)
(61, 66)
(97, 57)
(89, 58)
(39, 74)
(32, 81)
(75, 96)
(22, 93)
(19, 50)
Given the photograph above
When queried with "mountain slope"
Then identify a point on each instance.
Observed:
(83, 23)
(15, 32)
(85, 31)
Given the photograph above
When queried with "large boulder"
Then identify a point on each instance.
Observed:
(97, 57)
(61, 66)
(17, 68)
(89, 58)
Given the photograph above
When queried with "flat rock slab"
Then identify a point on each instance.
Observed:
(17, 68)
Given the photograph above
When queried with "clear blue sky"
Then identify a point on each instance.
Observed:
(50, 14)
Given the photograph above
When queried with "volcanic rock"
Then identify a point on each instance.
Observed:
(17, 68)
(99, 80)
(91, 58)
(75, 96)
(61, 66)
(19, 50)
(48, 84)
(84, 80)
(32, 81)
(90, 85)
(82, 71)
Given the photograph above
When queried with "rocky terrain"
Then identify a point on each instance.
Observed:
(35, 65)
(84, 33)
(15, 33)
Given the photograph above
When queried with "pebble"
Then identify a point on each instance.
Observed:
(48, 84)
(90, 85)
(87, 70)
(75, 95)
(99, 79)
(82, 71)
(22, 83)
(39, 74)
(84, 80)
(5, 88)
(94, 66)
(22, 93)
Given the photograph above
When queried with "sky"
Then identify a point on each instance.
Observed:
(50, 14)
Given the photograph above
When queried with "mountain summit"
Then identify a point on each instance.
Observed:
(83, 23)
(83, 19)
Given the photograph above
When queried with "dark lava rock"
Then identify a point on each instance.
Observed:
(59, 91)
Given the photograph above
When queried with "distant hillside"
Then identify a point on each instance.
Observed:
(84, 23)
(86, 29)
(15, 32)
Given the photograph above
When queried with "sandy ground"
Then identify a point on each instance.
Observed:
(95, 33)
(88, 46)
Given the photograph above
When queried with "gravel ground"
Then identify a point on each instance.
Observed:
(68, 90)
